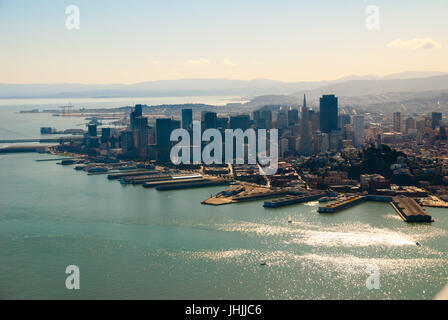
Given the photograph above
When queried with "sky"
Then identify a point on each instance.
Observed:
(135, 40)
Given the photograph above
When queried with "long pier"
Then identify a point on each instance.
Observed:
(340, 204)
(292, 199)
(18, 149)
(46, 140)
(409, 210)
(193, 184)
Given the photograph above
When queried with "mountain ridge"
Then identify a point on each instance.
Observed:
(345, 86)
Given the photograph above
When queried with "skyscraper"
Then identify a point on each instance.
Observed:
(293, 117)
(134, 114)
(163, 132)
(358, 129)
(187, 119)
(410, 124)
(141, 135)
(266, 119)
(92, 130)
(222, 123)
(209, 120)
(397, 121)
(282, 120)
(256, 118)
(328, 113)
(436, 118)
(343, 119)
(240, 122)
(305, 135)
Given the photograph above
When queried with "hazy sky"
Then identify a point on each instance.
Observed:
(132, 41)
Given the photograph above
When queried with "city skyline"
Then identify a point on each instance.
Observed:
(211, 151)
(293, 41)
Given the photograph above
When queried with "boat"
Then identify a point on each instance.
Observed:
(263, 263)
(80, 167)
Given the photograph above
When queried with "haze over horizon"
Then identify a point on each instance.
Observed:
(287, 41)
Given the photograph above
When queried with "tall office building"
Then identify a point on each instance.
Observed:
(222, 123)
(315, 120)
(105, 134)
(187, 119)
(358, 130)
(305, 134)
(209, 120)
(256, 118)
(266, 119)
(127, 142)
(436, 118)
(240, 122)
(92, 130)
(92, 140)
(141, 127)
(282, 119)
(293, 117)
(163, 132)
(410, 124)
(328, 113)
(397, 121)
(135, 114)
(343, 119)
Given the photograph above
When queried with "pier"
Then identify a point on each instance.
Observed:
(18, 149)
(136, 173)
(409, 210)
(292, 199)
(340, 204)
(193, 184)
(47, 140)
(169, 180)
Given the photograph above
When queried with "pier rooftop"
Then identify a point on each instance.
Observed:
(341, 203)
(293, 199)
(409, 210)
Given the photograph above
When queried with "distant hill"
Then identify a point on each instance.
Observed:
(348, 86)
(355, 88)
(164, 88)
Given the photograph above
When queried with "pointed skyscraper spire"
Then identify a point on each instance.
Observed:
(305, 138)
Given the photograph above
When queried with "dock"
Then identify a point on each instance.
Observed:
(292, 199)
(432, 201)
(341, 203)
(19, 149)
(248, 193)
(409, 210)
(170, 181)
(44, 140)
(261, 195)
(145, 178)
(192, 184)
(136, 173)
